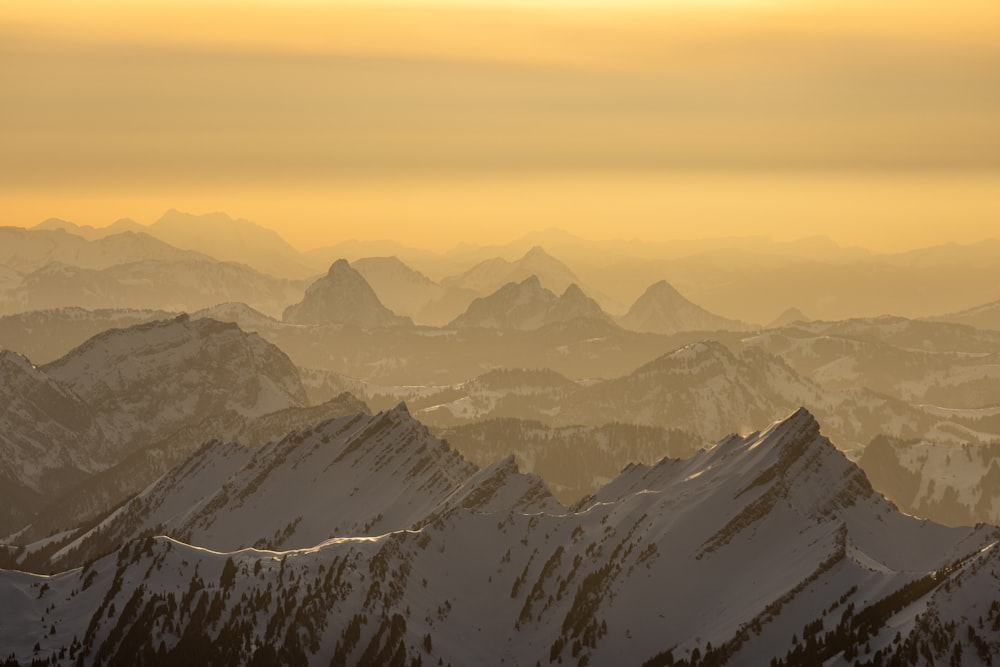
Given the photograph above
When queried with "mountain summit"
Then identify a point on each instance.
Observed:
(662, 309)
(342, 296)
(527, 305)
(490, 275)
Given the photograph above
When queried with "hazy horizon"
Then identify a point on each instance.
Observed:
(509, 234)
(432, 123)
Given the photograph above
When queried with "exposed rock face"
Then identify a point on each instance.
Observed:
(342, 296)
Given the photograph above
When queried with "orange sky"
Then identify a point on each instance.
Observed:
(873, 123)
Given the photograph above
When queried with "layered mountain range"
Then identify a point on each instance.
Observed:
(542, 480)
(747, 278)
(123, 390)
(766, 548)
(527, 305)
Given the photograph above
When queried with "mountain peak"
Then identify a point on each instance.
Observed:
(662, 309)
(339, 267)
(14, 359)
(663, 288)
(342, 296)
(537, 252)
(531, 281)
(799, 425)
(210, 367)
(523, 305)
(789, 316)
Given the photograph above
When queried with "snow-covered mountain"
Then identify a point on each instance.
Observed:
(318, 482)
(185, 284)
(706, 388)
(526, 305)
(702, 388)
(393, 356)
(46, 335)
(574, 461)
(126, 388)
(342, 296)
(155, 378)
(507, 392)
(324, 481)
(839, 360)
(92, 499)
(29, 250)
(909, 334)
(244, 315)
(947, 483)
(986, 316)
(45, 431)
(662, 309)
(768, 548)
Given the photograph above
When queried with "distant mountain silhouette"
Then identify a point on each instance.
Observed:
(662, 309)
(232, 240)
(342, 296)
(789, 316)
(401, 288)
(353, 250)
(90, 232)
(488, 276)
(26, 250)
(527, 305)
(986, 316)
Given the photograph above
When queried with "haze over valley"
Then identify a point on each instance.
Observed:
(272, 436)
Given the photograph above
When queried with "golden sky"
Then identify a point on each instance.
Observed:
(875, 123)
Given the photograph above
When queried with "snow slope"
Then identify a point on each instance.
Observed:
(729, 557)
(125, 389)
(323, 481)
(946, 482)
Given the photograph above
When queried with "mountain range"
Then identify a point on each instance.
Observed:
(370, 455)
(527, 305)
(752, 279)
(212, 234)
(120, 390)
(767, 548)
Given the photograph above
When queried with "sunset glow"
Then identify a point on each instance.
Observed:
(453, 121)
